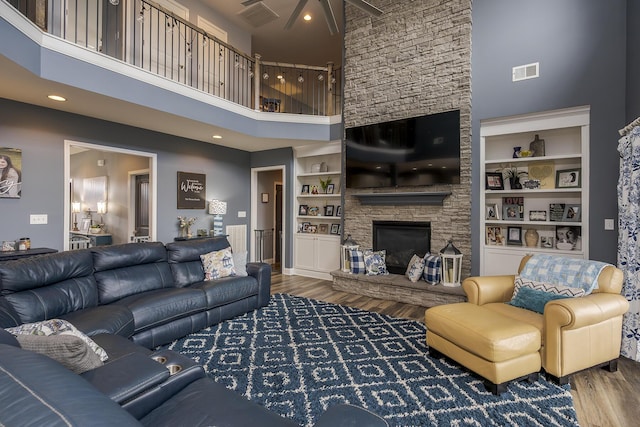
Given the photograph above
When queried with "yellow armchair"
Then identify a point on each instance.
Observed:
(577, 333)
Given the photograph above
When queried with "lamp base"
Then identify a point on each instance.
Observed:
(217, 225)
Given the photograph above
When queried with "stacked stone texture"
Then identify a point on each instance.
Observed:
(413, 60)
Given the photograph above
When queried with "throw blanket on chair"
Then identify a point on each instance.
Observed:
(572, 272)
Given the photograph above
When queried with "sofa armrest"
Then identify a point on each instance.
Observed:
(482, 290)
(345, 415)
(262, 273)
(574, 313)
(127, 377)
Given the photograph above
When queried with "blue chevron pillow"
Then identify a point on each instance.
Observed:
(544, 292)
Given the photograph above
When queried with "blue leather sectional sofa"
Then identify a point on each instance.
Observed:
(130, 299)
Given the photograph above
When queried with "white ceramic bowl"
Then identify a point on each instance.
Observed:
(564, 246)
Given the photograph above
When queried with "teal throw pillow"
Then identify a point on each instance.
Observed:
(534, 300)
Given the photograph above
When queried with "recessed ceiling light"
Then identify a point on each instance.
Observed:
(57, 98)
(307, 17)
(217, 136)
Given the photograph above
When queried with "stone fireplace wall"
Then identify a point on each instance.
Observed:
(413, 60)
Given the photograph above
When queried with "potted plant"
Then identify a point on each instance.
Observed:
(324, 183)
(514, 175)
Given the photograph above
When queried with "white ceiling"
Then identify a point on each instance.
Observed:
(305, 43)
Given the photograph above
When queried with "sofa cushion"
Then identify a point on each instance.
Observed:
(218, 264)
(534, 300)
(157, 307)
(57, 327)
(42, 392)
(49, 286)
(68, 350)
(103, 319)
(130, 269)
(184, 258)
(226, 290)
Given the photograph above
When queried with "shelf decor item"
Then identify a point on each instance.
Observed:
(572, 213)
(556, 211)
(531, 237)
(347, 246)
(324, 183)
(514, 236)
(537, 146)
(493, 181)
(568, 178)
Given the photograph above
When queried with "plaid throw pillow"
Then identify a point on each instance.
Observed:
(415, 268)
(431, 273)
(356, 260)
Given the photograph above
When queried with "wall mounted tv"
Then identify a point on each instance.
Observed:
(418, 151)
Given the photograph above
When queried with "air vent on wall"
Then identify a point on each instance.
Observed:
(524, 72)
(258, 14)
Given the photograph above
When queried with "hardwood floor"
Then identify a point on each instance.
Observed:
(602, 398)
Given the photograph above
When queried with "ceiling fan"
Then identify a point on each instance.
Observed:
(328, 12)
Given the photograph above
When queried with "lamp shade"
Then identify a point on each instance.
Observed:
(75, 207)
(217, 207)
(102, 207)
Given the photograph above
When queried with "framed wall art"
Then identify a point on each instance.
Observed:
(568, 178)
(10, 173)
(192, 190)
(493, 181)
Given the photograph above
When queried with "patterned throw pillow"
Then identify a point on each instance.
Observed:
(218, 264)
(521, 282)
(57, 327)
(415, 268)
(431, 273)
(375, 262)
(68, 350)
(356, 261)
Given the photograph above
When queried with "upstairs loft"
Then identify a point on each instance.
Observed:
(146, 67)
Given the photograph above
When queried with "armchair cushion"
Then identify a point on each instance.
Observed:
(534, 300)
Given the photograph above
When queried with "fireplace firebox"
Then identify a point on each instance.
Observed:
(401, 240)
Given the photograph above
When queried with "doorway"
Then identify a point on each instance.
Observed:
(116, 165)
(268, 216)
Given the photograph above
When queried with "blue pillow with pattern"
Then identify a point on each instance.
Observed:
(356, 261)
(415, 268)
(375, 262)
(431, 273)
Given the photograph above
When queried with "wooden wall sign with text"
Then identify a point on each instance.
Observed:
(192, 190)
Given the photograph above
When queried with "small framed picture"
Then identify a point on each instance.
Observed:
(339, 210)
(328, 210)
(330, 188)
(335, 229)
(511, 213)
(491, 211)
(305, 189)
(493, 181)
(568, 178)
(514, 236)
(572, 213)
(303, 210)
(305, 227)
(265, 197)
(537, 215)
(556, 211)
(546, 242)
(312, 229)
(494, 236)
(323, 228)
(85, 223)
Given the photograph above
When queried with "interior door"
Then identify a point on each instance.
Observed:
(278, 226)
(142, 205)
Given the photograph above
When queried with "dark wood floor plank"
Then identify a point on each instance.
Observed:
(602, 398)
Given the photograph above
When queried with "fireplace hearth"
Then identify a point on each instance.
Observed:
(401, 240)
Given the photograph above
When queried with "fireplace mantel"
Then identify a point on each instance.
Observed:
(409, 198)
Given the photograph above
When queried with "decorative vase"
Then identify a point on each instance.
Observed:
(189, 234)
(516, 152)
(514, 182)
(537, 146)
(531, 238)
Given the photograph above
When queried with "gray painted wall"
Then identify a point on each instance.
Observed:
(633, 60)
(41, 132)
(581, 47)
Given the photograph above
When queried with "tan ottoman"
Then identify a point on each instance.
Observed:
(497, 348)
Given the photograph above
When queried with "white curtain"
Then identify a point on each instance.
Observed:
(628, 238)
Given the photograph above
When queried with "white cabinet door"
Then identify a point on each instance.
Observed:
(328, 254)
(305, 254)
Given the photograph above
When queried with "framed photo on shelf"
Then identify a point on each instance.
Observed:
(328, 210)
(330, 188)
(85, 223)
(568, 178)
(305, 227)
(556, 212)
(335, 229)
(305, 189)
(493, 181)
(569, 238)
(514, 236)
(339, 210)
(537, 215)
(313, 229)
(323, 228)
(511, 213)
(494, 236)
(303, 210)
(546, 242)
(572, 213)
(492, 211)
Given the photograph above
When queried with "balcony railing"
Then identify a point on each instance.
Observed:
(146, 35)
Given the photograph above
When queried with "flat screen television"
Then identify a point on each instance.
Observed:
(418, 151)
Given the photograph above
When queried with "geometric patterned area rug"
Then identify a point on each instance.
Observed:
(298, 356)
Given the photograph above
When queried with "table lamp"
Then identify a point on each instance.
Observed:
(217, 208)
(75, 208)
